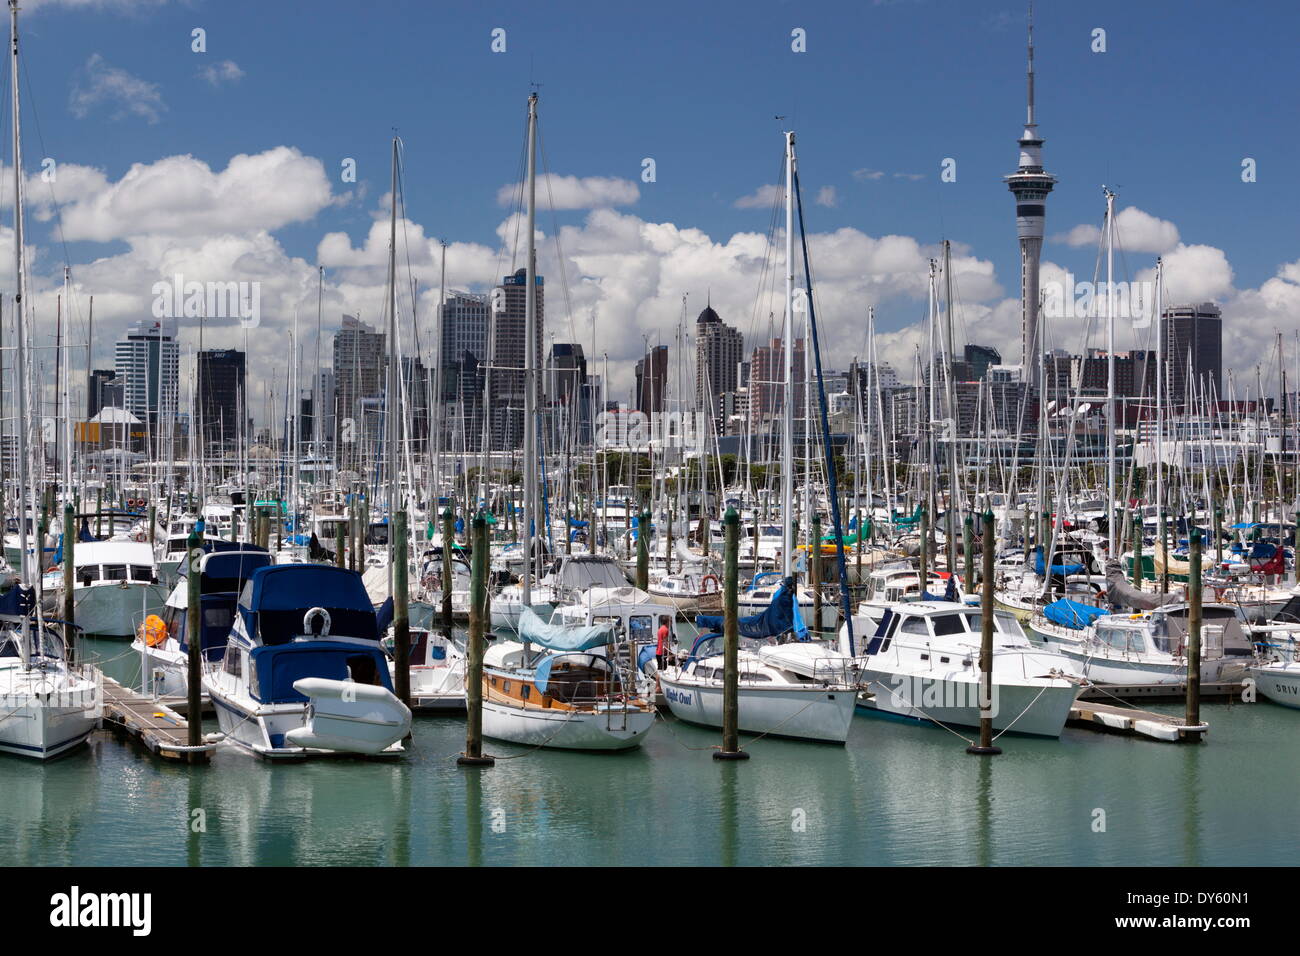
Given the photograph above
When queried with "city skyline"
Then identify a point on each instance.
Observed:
(876, 201)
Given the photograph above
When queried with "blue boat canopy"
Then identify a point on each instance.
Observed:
(1072, 614)
(275, 599)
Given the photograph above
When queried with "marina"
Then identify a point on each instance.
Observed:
(386, 531)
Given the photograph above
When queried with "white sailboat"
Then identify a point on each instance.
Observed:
(47, 704)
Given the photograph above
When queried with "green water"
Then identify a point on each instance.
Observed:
(898, 793)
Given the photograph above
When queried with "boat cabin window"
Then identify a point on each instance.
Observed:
(114, 572)
(234, 661)
(755, 677)
(948, 624)
(361, 668)
(141, 572)
(642, 629)
(88, 574)
(915, 625)
(1007, 623)
(893, 595)
(1122, 639)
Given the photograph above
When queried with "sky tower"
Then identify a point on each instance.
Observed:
(1030, 184)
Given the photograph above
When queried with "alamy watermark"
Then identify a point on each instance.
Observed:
(176, 299)
(632, 429)
(1134, 301)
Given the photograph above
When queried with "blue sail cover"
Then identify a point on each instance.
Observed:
(1056, 568)
(777, 618)
(561, 637)
(1072, 614)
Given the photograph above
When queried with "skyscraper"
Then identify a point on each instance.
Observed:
(767, 380)
(221, 395)
(1192, 333)
(509, 347)
(719, 350)
(651, 380)
(1030, 184)
(464, 342)
(570, 399)
(147, 362)
(359, 364)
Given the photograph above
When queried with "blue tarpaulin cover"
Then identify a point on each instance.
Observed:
(1056, 568)
(560, 637)
(1072, 614)
(777, 618)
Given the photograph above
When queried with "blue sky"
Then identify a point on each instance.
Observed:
(1184, 91)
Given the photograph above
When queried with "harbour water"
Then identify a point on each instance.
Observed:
(897, 793)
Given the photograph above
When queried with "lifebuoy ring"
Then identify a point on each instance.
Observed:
(140, 536)
(706, 581)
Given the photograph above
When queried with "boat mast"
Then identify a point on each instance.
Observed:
(20, 354)
(530, 359)
(394, 373)
(1160, 392)
(787, 399)
(1111, 478)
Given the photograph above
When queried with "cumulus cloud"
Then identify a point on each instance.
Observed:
(1135, 231)
(761, 198)
(183, 196)
(99, 85)
(827, 196)
(217, 74)
(575, 192)
(625, 275)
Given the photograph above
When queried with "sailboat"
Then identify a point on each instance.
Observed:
(557, 686)
(48, 705)
(788, 685)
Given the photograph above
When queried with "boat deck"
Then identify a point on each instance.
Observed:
(162, 730)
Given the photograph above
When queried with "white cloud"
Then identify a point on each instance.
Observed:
(226, 71)
(1135, 231)
(761, 198)
(575, 192)
(826, 196)
(97, 84)
(864, 174)
(183, 196)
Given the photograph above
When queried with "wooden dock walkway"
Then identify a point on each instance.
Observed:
(152, 722)
(1109, 718)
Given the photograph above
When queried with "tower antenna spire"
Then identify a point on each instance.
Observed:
(1029, 121)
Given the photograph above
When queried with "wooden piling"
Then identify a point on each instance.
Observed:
(193, 637)
(473, 755)
(448, 541)
(985, 747)
(1194, 614)
(401, 610)
(731, 641)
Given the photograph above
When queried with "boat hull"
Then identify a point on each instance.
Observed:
(606, 728)
(800, 713)
(42, 722)
(1039, 710)
(1280, 683)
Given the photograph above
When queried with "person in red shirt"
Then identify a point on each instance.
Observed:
(661, 648)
